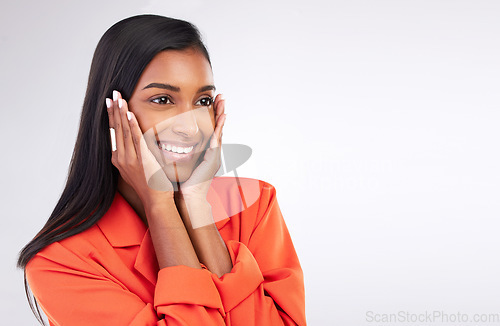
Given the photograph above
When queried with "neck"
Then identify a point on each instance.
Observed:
(132, 198)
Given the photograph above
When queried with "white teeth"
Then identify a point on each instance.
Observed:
(176, 149)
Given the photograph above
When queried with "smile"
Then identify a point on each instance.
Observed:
(177, 153)
(176, 149)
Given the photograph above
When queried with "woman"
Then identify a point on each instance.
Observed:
(144, 233)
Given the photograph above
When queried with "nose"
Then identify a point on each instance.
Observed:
(185, 124)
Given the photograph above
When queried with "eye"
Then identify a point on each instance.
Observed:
(206, 101)
(162, 100)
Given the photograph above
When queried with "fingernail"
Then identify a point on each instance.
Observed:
(129, 115)
(113, 139)
(222, 96)
(120, 103)
(108, 102)
(115, 95)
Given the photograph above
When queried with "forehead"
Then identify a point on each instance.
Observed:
(182, 68)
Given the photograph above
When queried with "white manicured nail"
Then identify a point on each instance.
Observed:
(120, 103)
(113, 139)
(115, 95)
(129, 115)
(108, 102)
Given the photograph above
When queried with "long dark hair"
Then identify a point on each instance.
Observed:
(119, 60)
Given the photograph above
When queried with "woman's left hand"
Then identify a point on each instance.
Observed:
(194, 208)
(196, 187)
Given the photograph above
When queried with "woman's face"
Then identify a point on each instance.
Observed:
(173, 105)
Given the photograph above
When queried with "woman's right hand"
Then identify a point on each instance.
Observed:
(132, 157)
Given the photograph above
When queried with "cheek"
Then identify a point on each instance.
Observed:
(207, 127)
(149, 122)
(205, 118)
(141, 119)
(141, 124)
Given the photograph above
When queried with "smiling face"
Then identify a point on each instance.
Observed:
(172, 102)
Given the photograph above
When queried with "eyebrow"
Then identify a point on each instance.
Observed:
(177, 89)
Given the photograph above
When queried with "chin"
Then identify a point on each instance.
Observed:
(182, 174)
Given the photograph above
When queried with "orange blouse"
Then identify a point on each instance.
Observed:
(109, 274)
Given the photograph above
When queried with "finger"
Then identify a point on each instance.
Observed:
(221, 129)
(219, 106)
(112, 131)
(109, 106)
(120, 149)
(215, 106)
(153, 172)
(215, 141)
(128, 142)
(216, 100)
(223, 122)
(216, 137)
(136, 134)
(155, 176)
(151, 144)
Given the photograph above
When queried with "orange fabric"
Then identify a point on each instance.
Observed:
(109, 275)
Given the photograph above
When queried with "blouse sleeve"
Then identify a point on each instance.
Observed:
(265, 286)
(74, 293)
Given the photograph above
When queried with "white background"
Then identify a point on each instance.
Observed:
(376, 121)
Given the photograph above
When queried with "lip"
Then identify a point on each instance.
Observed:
(171, 156)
